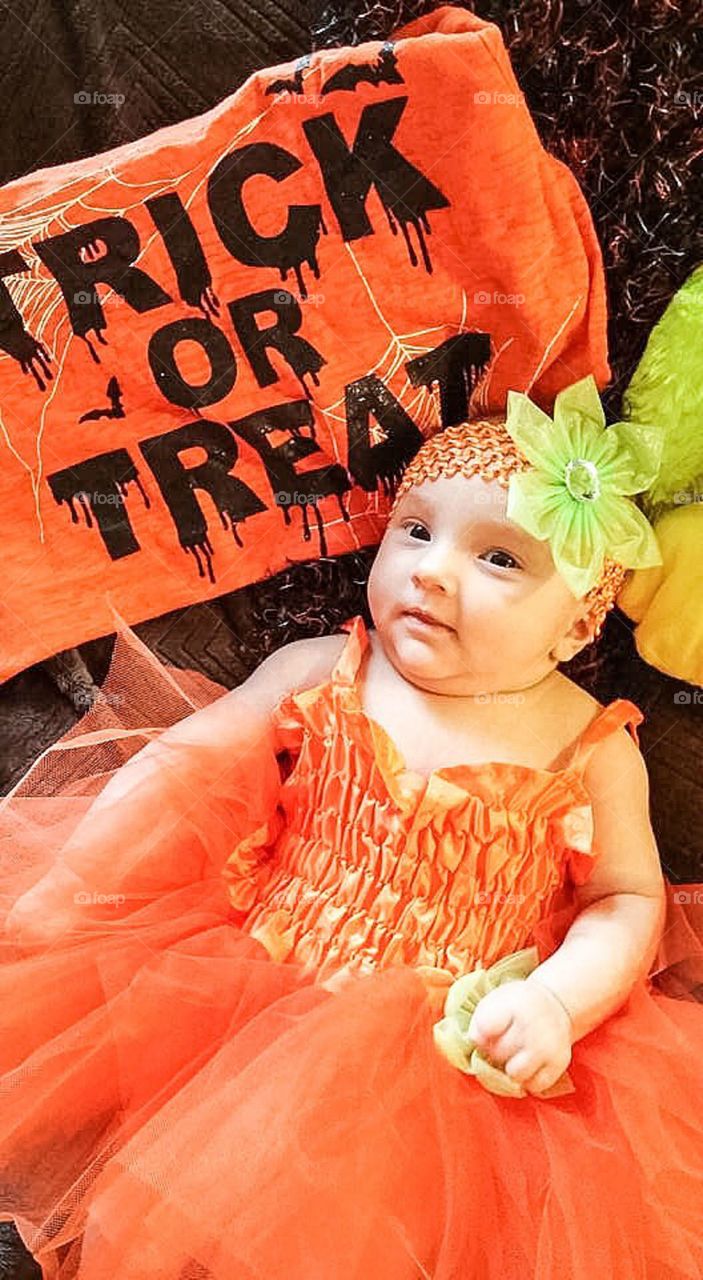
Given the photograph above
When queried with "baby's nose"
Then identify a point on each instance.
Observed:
(437, 567)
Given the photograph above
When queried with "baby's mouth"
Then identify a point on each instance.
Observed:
(425, 620)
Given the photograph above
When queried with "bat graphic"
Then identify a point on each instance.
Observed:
(113, 410)
(291, 86)
(383, 71)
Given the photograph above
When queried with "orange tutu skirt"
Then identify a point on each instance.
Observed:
(175, 1105)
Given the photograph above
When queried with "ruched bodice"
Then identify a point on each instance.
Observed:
(366, 863)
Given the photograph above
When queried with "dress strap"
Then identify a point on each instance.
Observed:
(606, 721)
(347, 665)
(297, 710)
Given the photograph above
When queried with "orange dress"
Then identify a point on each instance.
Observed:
(223, 1068)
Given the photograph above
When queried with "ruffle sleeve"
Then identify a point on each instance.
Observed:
(248, 866)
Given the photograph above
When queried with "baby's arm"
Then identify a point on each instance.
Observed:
(209, 768)
(614, 939)
(528, 1027)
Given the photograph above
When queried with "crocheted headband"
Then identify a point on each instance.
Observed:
(566, 482)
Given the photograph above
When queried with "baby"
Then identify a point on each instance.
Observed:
(471, 618)
(233, 978)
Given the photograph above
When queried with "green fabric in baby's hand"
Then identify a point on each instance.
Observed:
(451, 1032)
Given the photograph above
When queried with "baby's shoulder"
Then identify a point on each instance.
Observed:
(571, 710)
(573, 700)
(294, 667)
(613, 751)
(311, 661)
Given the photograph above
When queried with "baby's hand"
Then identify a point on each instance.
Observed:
(523, 1028)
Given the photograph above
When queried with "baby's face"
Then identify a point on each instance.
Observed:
(450, 550)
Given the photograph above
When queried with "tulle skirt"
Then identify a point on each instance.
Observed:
(176, 1105)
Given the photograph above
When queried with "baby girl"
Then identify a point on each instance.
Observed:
(259, 1041)
(471, 619)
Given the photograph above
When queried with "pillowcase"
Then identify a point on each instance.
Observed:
(220, 345)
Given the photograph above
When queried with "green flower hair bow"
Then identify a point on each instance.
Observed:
(575, 492)
(451, 1033)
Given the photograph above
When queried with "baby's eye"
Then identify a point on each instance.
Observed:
(414, 524)
(496, 551)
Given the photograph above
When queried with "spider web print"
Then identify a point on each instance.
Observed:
(40, 301)
(38, 296)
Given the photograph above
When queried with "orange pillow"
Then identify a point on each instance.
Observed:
(220, 344)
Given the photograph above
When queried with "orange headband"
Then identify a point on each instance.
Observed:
(486, 448)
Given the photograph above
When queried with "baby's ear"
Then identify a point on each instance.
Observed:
(581, 632)
(585, 629)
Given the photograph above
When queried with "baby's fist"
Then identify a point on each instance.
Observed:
(523, 1028)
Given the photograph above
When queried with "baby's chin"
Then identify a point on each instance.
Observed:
(434, 661)
(428, 656)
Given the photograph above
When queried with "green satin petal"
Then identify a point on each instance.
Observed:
(566, 442)
(631, 538)
(451, 1043)
(580, 403)
(494, 1079)
(578, 548)
(579, 437)
(579, 581)
(532, 503)
(603, 452)
(579, 536)
(545, 511)
(531, 429)
(583, 532)
(618, 530)
(451, 1032)
(641, 449)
